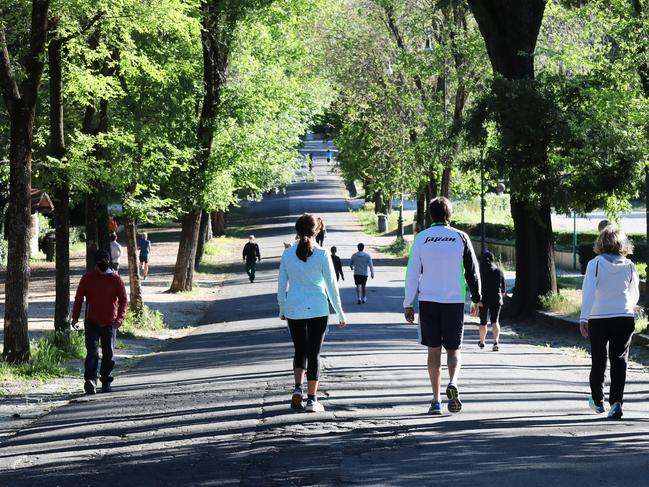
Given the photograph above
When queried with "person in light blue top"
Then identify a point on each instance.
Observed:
(307, 271)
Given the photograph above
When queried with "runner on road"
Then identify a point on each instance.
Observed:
(145, 254)
(442, 262)
(338, 265)
(610, 292)
(251, 256)
(360, 262)
(308, 273)
(493, 291)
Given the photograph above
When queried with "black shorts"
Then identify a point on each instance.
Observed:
(493, 311)
(144, 258)
(441, 324)
(360, 280)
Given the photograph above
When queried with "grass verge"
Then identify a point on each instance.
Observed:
(399, 248)
(567, 303)
(369, 222)
(48, 356)
(137, 325)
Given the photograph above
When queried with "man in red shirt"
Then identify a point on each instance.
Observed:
(106, 305)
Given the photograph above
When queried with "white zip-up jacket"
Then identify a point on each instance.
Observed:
(611, 288)
(442, 263)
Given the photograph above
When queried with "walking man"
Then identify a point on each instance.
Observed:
(442, 263)
(145, 253)
(338, 265)
(115, 252)
(492, 279)
(361, 261)
(106, 305)
(251, 256)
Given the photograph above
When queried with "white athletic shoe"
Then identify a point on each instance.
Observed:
(365, 299)
(296, 400)
(314, 407)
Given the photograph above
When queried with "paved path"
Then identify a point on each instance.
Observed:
(212, 409)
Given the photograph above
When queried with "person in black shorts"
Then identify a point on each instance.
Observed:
(338, 265)
(442, 264)
(493, 291)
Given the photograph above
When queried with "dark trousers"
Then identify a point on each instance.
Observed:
(94, 335)
(251, 268)
(616, 333)
(308, 336)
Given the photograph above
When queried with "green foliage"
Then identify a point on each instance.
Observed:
(641, 322)
(641, 268)
(567, 303)
(135, 324)
(48, 357)
(640, 249)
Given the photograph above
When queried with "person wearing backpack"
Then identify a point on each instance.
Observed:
(610, 292)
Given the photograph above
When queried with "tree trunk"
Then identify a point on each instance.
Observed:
(446, 182)
(430, 194)
(421, 210)
(21, 101)
(202, 238)
(61, 189)
(92, 233)
(535, 272)
(209, 234)
(510, 30)
(184, 271)
(136, 303)
(218, 223)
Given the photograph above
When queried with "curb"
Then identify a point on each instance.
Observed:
(554, 319)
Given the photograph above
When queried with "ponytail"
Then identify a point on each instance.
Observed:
(304, 248)
(306, 227)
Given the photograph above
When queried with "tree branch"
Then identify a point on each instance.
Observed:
(34, 61)
(8, 85)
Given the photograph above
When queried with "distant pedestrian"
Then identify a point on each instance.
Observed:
(145, 254)
(115, 252)
(493, 291)
(106, 303)
(610, 292)
(310, 162)
(251, 256)
(338, 266)
(329, 155)
(319, 238)
(360, 263)
(307, 271)
(602, 225)
(442, 263)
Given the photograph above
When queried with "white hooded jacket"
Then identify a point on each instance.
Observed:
(610, 289)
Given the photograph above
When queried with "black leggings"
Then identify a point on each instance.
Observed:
(617, 333)
(308, 336)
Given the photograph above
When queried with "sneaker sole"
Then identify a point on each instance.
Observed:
(296, 402)
(454, 403)
(91, 391)
(433, 412)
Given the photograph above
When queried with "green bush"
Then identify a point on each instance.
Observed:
(586, 254)
(567, 303)
(400, 248)
(147, 320)
(641, 267)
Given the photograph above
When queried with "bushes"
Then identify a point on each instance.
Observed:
(586, 254)
(134, 324)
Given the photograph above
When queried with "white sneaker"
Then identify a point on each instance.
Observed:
(296, 400)
(314, 407)
(365, 299)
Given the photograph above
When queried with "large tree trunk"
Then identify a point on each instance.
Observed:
(510, 29)
(136, 303)
(445, 190)
(421, 210)
(61, 189)
(184, 271)
(20, 101)
(92, 232)
(431, 193)
(202, 238)
(218, 223)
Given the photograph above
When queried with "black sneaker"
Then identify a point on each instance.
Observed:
(481, 344)
(495, 347)
(454, 403)
(90, 387)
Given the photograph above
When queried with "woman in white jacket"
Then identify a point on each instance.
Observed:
(307, 270)
(609, 295)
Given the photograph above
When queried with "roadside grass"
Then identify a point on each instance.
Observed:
(497, 210)
(77, 248)
(215, 250)
(137, 326)
(399, 248)
(369, 222)
(641, 322)
(49, 354)
(569, 282)
(567, 303)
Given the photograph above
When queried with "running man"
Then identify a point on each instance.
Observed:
(442, 262)
(329, 155)
(360, 262)
(145, 253)
(251, 256)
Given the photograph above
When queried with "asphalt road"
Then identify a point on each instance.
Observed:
(212, 409)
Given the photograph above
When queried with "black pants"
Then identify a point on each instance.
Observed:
(489, 310)
(308, 336)
(617, 333)
(106, 335)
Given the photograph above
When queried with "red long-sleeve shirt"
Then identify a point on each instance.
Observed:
(105, 295)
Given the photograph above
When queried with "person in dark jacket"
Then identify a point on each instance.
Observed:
(338, 266)
(251, 256)
(493, 291)
(319, 238)
(106, 304)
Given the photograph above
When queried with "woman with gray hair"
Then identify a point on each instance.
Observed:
(609, 294)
